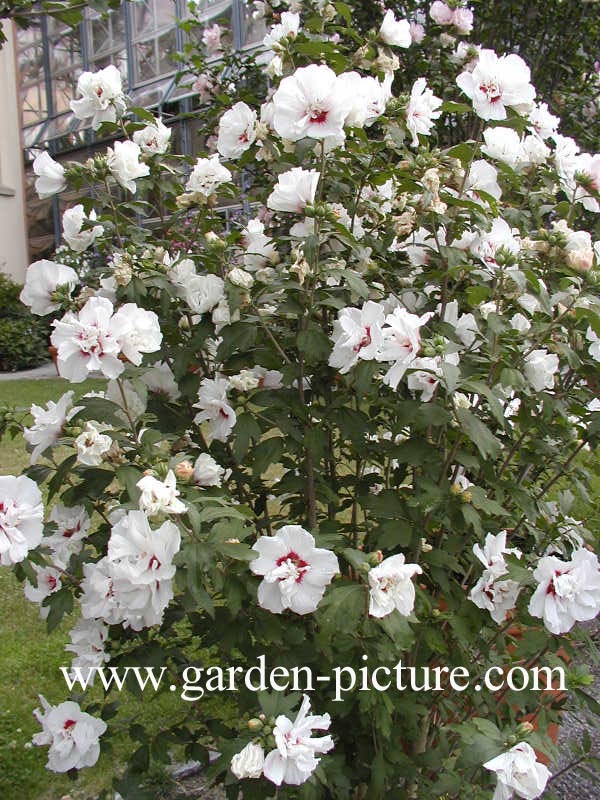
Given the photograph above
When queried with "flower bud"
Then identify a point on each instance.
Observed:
(524, 728)
(184, 470)
(255, 725)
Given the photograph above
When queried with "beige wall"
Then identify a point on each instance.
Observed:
(13, 240)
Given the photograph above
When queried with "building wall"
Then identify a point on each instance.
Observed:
(13, 234)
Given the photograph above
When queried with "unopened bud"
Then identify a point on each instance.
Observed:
(376, 558)
(255, 725)
(524, 728)
(184, 470)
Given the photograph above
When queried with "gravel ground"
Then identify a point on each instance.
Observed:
(581, 782)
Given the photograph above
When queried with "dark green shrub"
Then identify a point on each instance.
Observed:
(23, 336)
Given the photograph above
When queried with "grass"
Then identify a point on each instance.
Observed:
(30, 658)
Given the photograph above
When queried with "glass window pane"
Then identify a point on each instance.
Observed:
(167, 45)
(64, 56)
(32, 87)
(143, 18)
(154, 39)
(254, 29)
(106, 41)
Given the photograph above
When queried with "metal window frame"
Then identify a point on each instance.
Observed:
(239, 32)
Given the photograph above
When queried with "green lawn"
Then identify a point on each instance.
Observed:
(30, 659)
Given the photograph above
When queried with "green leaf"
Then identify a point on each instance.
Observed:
(398, 629)
(314, 344)
(356, 284)
(99, 409)
(128, 476)
(239, 551)
(266, 453)
(450, 107)
(343, 606)
(212, 513)
(355, 557)
(60, 603)
(246, 429)
(60, 476)
(238, 337)
(481, 436)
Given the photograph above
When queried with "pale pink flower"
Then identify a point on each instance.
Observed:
(422, 110)
(567, 592)
(401, 343)
(87, 342)
(102, 96)
(47, 582)
(211, 39)
(214, 409)
(295, 572)
(73, 736)
(462, 19)
(47, 425)
(237, 131)
(357, 335)
(309, 103)
(249, 762)
(287, 28)
(395, 32)
(391, 587)
(51, 178)
(160, 497)
(294, 759)
(21, 518)
(295, 190)
(78, 235)
(124, 164)
(417, 32)
(154, 138)
(497, 83)
(518, 771)
(441, 13)
(42, 279)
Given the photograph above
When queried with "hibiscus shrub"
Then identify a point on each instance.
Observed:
(342, 421)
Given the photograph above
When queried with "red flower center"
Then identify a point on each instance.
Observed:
(365, 341)
(301, 565)
(154, 563)
(68, 532)
(492, 91)
(318, 116)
